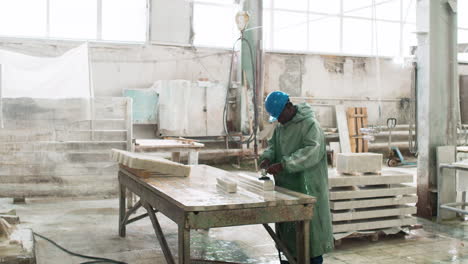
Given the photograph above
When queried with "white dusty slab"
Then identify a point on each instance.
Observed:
(150, 163)
(348, 215)
(387, 177)
(366, 203)
(226, 184)
(253, 182)
(375, 224)
(359, 162)
(335, 147)
(353, 192)
(342, 122)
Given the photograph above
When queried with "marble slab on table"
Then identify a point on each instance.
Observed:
(166, 143)
(150, 163)
(199, 192)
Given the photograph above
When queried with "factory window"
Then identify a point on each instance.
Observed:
(17, 20)
(107, 20)
(361, 27)
(124, 20)
(214, 23)
(71, 19)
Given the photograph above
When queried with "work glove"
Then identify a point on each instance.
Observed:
(275, 168)
(265, 164)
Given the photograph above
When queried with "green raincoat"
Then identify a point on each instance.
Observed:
(300, 146)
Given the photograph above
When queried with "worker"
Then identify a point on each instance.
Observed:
(296, 157)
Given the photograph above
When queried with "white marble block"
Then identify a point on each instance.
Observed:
(356, 163)
(227, 185)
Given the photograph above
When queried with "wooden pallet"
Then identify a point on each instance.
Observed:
(373, 235)
(374, 191)
(357, 119)
(373, 224)
(372, 213)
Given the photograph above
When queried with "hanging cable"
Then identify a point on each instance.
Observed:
(253, 136)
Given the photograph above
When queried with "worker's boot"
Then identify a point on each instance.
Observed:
(316, 260)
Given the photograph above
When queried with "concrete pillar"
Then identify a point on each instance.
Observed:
(436, 92)
(254, 35)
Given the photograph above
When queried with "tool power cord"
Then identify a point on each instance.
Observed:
(93, 259)
(253, 135)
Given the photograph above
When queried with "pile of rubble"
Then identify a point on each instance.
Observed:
(16, 244)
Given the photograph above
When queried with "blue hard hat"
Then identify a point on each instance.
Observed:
(275, 103)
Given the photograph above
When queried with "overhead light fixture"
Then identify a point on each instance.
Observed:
(399, 60)
(242, 20)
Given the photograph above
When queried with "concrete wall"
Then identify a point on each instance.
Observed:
(51, 147)
(337, 79)
(322, 79)
(115, 67)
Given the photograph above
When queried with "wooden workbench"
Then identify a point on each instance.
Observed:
(175, 146)
(194, 202)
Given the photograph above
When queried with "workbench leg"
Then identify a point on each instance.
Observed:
(193, 157)
(159, 234)
(130, 199)
(176, 157)
(279, 244)
(123, 223)
(463, 201)
(184, 245)
(303, 242)
(122, 198)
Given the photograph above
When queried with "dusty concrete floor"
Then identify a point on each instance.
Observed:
(90, 227)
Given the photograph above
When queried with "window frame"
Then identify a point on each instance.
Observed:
(97, 39)
(208, 3)
(341, 15)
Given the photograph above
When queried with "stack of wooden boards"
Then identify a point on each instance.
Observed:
(357, 119)
(364, 201)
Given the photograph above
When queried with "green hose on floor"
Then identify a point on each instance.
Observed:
(94, 259)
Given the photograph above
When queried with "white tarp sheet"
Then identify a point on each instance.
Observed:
(66, 76)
